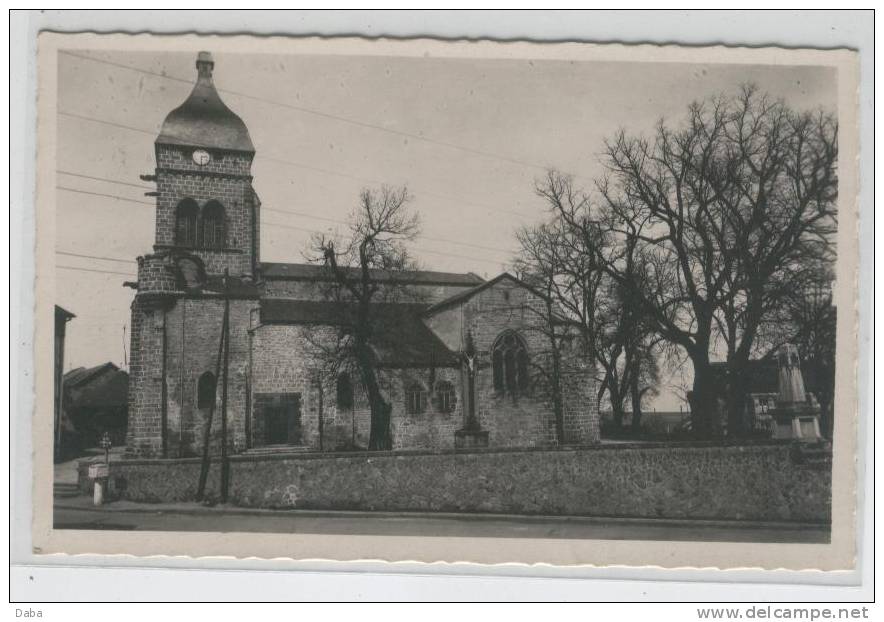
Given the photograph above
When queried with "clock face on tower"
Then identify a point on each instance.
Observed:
(201, 157)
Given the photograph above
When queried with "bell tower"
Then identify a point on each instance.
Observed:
(206, 206)
(207, 217)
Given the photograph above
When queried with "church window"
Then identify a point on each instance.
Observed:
(214, 234)
(446, 398)
(345, 391)
(415, 399)
(185, 223)
(497, 369)
(509, 365)
(205, 390)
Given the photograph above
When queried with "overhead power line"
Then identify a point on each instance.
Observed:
(97, 271)
(326, 115)
(422, 250)
(123, 126)
(103, 194)
(282, 211)
(70, 254)
(112, 181)
(426, 237)
(301, 165)
(437, 195)
(275, 224)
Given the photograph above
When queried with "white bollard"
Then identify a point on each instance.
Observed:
(99, 473)
(98, 493)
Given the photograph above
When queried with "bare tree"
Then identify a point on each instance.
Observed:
(373, 250)
(562, 259)
(650, 211)
(779, 205)
(705, 224)
(541, 264)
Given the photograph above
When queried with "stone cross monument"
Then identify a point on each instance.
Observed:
(796, 414)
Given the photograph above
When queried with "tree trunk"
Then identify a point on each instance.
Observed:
(736, 398)
(618, 412)
(557, 377)
(636, 399)
(703, 398)
(380, 436)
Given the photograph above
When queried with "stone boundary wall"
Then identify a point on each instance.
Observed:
(762, 481)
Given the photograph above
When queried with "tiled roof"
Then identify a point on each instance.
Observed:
(467, 294)
(400, 339)
(103, 386)
(81, 375)
(316, 272)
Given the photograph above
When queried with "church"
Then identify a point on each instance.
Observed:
(467, 365)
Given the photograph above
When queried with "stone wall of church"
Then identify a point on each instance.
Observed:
(284, 364)
(222, 163)
(281, 364)
(579, 405)
(155, 275)
(193, 339)
(287, 361)
(144, 433)
(432, 428)
(526, 420)
(174, 342)
(225, 179)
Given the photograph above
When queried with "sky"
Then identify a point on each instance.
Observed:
(467, 136)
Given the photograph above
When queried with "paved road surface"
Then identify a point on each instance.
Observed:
(144, 518)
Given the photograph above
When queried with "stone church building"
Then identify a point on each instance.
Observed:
(466, 362)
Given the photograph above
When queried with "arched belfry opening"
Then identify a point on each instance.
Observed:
(186, 219)
(214, 226)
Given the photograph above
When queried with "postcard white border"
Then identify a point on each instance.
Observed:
(838, 554)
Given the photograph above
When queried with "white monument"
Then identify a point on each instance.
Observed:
(797, 415)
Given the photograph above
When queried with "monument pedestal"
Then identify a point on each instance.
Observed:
(799, 422)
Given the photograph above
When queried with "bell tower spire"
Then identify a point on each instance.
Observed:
(204, 65)
(206, 206)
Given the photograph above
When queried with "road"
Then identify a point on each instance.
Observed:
(194, 518)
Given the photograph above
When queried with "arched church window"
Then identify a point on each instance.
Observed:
(497, 369)
(344, 391)
(446, 398)
(186, 216)
(415, 399)
(214, 231)
(205, 390)
(509, 365)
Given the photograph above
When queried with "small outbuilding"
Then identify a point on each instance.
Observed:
(95, 402)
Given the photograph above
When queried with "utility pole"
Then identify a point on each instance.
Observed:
(125, 364)
(204, 467)
(319, 389)
(225, 465)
